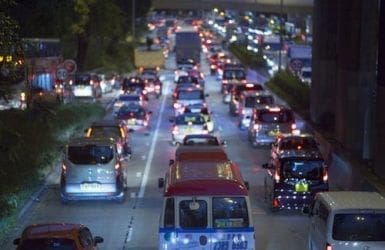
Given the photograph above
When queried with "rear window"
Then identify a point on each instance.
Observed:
(299, 169)
(230, 212)
(234, 74)
(282, 116)
(105, 132)
(48, 244)
(251, 101)
(296, 143)
(82, 80)
(193, 214)
(359, 227)
(134, 112)
(193, 119)
(190, 95)
(90, 154)
(129, 98)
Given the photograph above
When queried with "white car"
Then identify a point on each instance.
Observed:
(126, 99)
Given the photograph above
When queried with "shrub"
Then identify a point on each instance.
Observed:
(247, 57)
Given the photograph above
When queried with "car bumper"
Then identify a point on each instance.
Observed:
(72, 192)
(289, 199)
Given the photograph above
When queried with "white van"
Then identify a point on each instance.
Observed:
(344, 220)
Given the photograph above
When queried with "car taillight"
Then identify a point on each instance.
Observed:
(157, 87)
(257, 127)
(277, 178)
(145, 123)
(117, 166)
(63, 168)
(225, 82)
(177, 105)
(119, 147)
(175, 130)
(325, 176)
(293, 126)
(243, 112)
(213, 66)
(275, 203)
(328, 247)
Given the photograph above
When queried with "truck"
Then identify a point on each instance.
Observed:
(151, 57)
(187, 46)
(299, 61)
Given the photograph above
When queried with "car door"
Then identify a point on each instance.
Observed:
(318, 226)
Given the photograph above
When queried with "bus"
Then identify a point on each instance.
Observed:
(206, 206)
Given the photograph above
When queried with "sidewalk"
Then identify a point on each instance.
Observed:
(347, 171)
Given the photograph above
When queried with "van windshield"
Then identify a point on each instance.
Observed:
(282, 116)
(359, 227)
(90, 154)
(251, 101)
(230, 212)
(302, 169)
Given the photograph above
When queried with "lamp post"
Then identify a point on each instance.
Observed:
(280, 37)
(133, 20)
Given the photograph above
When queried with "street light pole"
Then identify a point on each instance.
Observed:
(133, 20)
(280, 37)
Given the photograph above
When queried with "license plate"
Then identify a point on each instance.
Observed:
(90, 187)
(301, 187)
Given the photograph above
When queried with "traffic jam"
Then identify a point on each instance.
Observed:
(195, 153)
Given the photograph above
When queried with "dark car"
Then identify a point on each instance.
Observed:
(57, 236)
(135, 117)
(115, 129)
(295, 173)
(135, 84)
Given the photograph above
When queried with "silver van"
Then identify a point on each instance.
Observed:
(91, 169)
(268, 122)
(342, 220)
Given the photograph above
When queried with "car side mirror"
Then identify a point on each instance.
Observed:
(265, 166)
(161, 182)
(16, 241)
(171, 162)
(98, 240)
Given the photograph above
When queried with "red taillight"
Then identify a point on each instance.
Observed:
(325, 176)
(328, 247)
(275, 203)
(277, 178)
(225, 82)
(257, 127)
(63, 167)
(117, 166)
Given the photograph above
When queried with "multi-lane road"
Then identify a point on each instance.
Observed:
(134, 224)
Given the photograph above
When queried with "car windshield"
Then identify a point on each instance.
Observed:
(90, 154)
(82, 80)
(359, 227)
(188, 79)
(193, 214)
(212, 141)
(234, 74)
(302, 169)
(282, 116)
(189, 119)
(132, 112)
(251, 101)
(48, 244)
(190, 95)
(104, 131)
(230, 212)
(303, 143)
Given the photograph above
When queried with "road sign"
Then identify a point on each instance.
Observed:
(296, 64)
(70, 66)
(61, 74)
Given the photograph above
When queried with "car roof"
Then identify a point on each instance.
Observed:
(340, 200)
(255, 93)
(55, 230)
(82, 141)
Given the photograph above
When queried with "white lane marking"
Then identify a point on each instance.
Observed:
(143, 157)
(129, 235)
(138, 174)
(152, 149)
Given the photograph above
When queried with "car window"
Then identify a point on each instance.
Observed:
(105, 131)
(90, 154)
(190, 95)
(132, 111)
(234, 74)
(359, 227)
(282, 116)
(300, 169)
(230, 212)
(251, 101)
(48, 244)
(304, 143)
(193, 214)
(126, 98)
(186, 119)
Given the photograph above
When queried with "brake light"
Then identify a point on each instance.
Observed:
(22, 97)
(274, 109)
(145, 123)
(243, 112)
(157, 87)
(177, 105)
(175, 130)
(275, 203)
(257, 127)
(277, 178)
(119, 147)
(225, 82)
(328, 247)
(325, 176)
(213, 66)
(91, 82)
(293, 126)
(63, 167)
(244, 82)
(144, 92)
